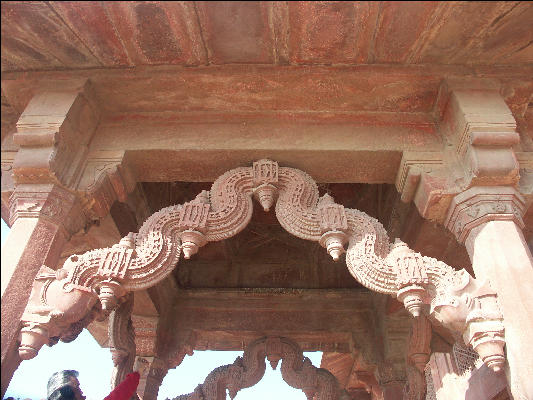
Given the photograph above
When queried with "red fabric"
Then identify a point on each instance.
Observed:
(126, 388)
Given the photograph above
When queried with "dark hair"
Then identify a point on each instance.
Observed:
(59, 387)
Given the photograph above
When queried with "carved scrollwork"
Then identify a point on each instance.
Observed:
(247, 370)
(143, 259)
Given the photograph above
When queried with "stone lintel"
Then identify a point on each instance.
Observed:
(478, 205)
(231, 317)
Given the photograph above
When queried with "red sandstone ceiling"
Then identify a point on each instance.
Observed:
(75, 35)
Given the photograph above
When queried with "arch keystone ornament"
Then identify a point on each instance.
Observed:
(93, 282)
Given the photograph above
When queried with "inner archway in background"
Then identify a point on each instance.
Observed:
(246, 371)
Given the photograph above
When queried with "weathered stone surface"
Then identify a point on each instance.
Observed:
(263, 33)
(433, 96)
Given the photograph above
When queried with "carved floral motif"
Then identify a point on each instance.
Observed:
(143, 259)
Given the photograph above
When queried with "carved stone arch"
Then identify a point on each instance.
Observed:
(97, 279)
(246, 371)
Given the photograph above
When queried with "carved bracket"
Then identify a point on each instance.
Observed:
(143, 259)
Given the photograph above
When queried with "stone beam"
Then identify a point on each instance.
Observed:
(199, 147)
(231, 88)
(225, 319)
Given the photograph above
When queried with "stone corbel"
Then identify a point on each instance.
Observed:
(53, 133)
(479, 134)
(152, 377)
(184, 344)
(413, 166)
(8, 184)
(481, 130)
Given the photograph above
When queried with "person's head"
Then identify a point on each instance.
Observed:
(64, 385)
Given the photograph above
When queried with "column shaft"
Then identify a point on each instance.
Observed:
(500, 254)
(31, 243)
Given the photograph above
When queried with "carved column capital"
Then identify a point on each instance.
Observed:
(47, 201)
(478, 205)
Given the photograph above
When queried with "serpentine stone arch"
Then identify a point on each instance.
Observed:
(89, 286)
(246, 371)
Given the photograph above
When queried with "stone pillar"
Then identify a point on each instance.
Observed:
(442, 370)
(359, 394)
(477, 189)
(53, 134)
(152, 378)
(488, 220)
(41, 218)
(393, 390)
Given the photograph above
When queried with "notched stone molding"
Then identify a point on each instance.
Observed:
(106, 178)
(246, 371)
(412, 166)
(141, 260)
(478, 205)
